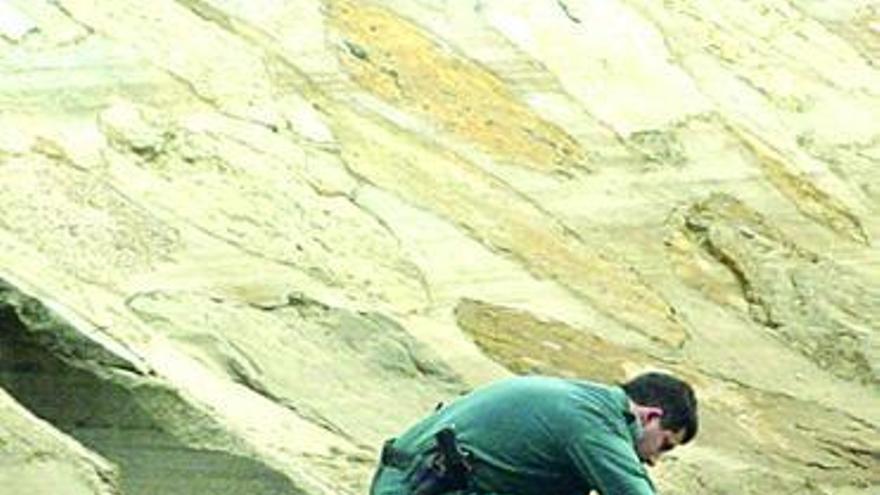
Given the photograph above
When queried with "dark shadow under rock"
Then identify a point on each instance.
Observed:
(127, 418)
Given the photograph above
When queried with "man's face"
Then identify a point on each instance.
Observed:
(656, 440)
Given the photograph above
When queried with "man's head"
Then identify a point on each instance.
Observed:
(667, 410)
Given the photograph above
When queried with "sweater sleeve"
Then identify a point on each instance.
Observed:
(607, 462)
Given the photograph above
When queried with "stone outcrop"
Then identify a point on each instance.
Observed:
(38, 459)
(244, 241)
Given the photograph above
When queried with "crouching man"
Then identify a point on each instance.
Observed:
(539, 435)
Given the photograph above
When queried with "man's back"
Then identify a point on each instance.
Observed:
(539, 436)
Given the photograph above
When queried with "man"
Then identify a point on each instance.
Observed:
(544, 436)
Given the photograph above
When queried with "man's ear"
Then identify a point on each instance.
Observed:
(651, 413)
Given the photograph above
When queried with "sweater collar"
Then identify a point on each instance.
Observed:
(633, 426)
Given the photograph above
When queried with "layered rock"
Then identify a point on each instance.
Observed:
(242, 242)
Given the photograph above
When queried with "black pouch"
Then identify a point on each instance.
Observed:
(429, 477)
(444, 470)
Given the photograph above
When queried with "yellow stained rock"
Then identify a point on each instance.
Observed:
(505, 221)
(398, 61)
(526, 344)
(806, 195)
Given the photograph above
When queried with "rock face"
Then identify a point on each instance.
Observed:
(243, 242)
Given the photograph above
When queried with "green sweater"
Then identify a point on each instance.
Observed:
(540, 436)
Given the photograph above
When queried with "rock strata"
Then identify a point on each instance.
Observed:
(242, 242)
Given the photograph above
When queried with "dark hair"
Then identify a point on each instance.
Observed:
(669, 393)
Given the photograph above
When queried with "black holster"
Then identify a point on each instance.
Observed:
(444, 468)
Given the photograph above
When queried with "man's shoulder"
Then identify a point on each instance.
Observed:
(602, 394)
(576, 396)
(575, 389)
(552, 382)
(601, 405)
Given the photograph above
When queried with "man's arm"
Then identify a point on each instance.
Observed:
(609, 464)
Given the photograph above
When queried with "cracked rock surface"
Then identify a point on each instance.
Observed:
(242, 242)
